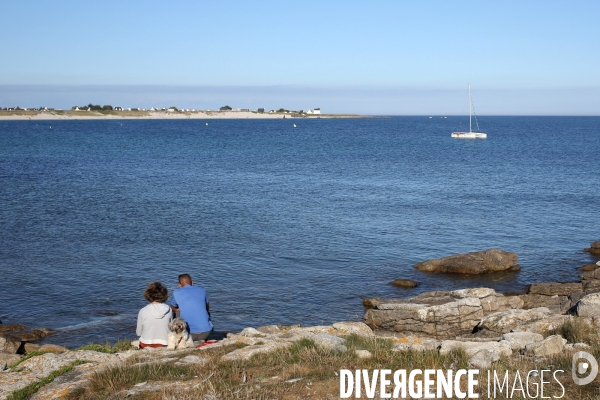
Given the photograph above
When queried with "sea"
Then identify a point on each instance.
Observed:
(280, 224)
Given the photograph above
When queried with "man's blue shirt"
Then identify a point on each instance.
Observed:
(191, 301)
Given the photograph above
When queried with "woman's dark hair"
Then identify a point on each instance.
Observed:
(156, 291)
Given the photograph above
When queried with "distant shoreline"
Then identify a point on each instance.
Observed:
(120, 115)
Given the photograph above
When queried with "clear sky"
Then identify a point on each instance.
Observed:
(379, 57)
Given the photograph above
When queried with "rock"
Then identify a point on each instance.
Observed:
(551, 345)
(53, 348)
(555, 288)
(404, 283)
(557, 304)
(31, 347)
(544, 325)
(414, 343)
(247, 352)
(307, 332)
(3, 365)
(520, 340)
(472, 348)
(587, 275)
(505, 321)
(371, 303)
(9, 343)
(251, 332)
(329, 342)
(577, 347)
(269, 329)
(478, 293)
(11, 327)
(439, 321)
(594, 248)
(233, 338)
(591, 286)
(9, 359)
(589, 306)
(353, 328)
(46, 363)
(593, 322)
(439, 314)
(191, 359)
(588, 267)
(483, 359)
(479, 262)
(363, 353)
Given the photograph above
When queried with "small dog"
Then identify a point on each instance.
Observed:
(179, 338)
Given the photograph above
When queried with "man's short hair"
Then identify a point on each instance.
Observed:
(156, 291)
(183, 278)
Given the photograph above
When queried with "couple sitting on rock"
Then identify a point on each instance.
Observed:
(189, 301)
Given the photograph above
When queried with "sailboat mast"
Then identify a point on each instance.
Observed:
(470, 108)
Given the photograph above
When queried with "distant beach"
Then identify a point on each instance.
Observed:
(94, 115)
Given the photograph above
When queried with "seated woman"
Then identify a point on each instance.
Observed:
(153, 320)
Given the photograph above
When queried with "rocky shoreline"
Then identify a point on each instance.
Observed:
(485, 324)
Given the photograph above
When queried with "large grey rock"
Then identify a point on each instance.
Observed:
(329, 342)
(551, 345)
(479, 262)
(589, 306)
(439, 314)
(483, 359)
(9, 343)
(472, 348)
(557, 304)
(352, 328)
(544, 325)
(555, 288)
(520, 340)
(505, 321)
(439, 321)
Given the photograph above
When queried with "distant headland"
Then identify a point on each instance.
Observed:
(109, 112)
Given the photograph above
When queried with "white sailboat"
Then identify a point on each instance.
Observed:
(470, 134)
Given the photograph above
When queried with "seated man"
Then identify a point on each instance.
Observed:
(192, 304)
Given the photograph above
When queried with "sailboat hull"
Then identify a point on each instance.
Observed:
(468, 135)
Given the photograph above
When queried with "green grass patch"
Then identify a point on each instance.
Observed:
(29, 390)
(120, 345)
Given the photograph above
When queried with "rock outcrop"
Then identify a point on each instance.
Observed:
(505, 321)
(594, 248)
(441, 315)
(480, 262)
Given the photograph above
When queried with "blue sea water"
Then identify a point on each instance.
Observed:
(280, 225)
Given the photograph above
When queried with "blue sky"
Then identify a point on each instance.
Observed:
(381, 57)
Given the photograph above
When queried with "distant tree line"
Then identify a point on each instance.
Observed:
(94, 107)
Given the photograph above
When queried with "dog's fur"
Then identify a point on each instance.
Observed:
(179, 338)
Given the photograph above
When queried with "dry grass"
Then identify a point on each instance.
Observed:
(5, 113)
(304, 370)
